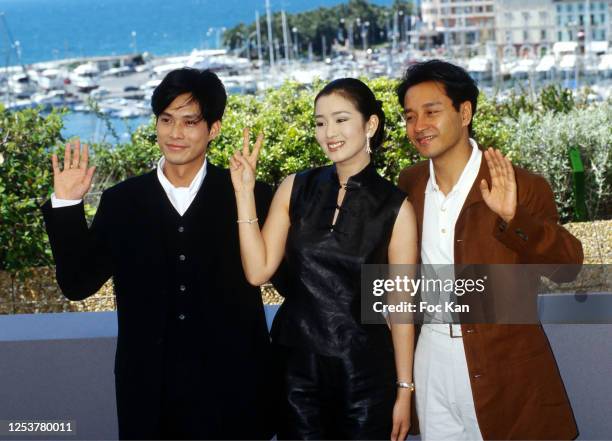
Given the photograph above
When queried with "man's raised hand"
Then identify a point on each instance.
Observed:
(502, 196)
(243, 164)
(74, 181)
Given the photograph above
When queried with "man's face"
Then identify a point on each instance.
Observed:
(182, 134)
(433, 125)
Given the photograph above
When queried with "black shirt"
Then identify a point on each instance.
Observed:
(322, 310)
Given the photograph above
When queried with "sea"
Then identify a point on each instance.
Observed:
(45, 30)
(58, 29)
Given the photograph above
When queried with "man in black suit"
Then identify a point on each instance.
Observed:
(193, 355)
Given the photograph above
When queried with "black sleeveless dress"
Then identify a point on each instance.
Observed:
(339, 375)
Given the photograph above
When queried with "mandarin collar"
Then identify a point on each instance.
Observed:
(362, 179)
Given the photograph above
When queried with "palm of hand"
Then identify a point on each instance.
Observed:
(501, 198)
(243, 164)
(74, 181)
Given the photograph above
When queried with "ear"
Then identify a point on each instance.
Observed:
(466, 113)
(372, 125)
(214, 130)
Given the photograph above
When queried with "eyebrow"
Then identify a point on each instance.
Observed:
(426, 105)
(335, 113)
(188, 116)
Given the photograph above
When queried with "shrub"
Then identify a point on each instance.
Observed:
(26, 179)
(541, 142)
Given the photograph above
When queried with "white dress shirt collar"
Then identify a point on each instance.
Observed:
(181, 197)
(467, 175)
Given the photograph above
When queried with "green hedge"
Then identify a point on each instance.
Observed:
(536, 134)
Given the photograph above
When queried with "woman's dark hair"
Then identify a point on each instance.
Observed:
(363, 99)
(458, 84)
(204, 86)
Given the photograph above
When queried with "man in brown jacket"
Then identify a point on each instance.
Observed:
(481, 380)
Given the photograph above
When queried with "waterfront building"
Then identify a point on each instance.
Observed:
(579, 20)
(463, 23)
(526, 27)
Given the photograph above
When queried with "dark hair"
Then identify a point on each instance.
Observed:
(363, 99)
(458, 84)
(204, 86)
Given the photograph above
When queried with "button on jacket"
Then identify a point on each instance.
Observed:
(216, 326)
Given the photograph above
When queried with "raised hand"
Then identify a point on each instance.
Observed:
(501, 198)
(243, 164)
(74, 181)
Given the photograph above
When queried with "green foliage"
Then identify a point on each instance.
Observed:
(536, 134)
(556, 99)
(312, 25)
(117, 163)
(489, 128)
(285, 115)
(541, 143)
(26, 178)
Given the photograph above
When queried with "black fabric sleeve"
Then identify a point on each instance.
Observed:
(82, 255)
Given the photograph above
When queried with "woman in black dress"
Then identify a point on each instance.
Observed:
(341, 379)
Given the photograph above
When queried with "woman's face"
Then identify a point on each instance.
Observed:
(340, 128)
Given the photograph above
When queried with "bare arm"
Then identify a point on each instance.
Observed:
(403, 250)
(261, 251)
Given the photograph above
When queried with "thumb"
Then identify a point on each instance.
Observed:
(89, 175)
(484, 189)
(244, 161)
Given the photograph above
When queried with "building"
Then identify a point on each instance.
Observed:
(526, 25)
(582, 20)
(461, 23)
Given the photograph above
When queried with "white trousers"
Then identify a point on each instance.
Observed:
(444, 401)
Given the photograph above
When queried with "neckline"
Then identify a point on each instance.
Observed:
(361, 178)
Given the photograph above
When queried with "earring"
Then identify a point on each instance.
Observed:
(368, 149)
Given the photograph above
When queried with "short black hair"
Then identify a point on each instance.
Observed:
(458, 84)
(204, 86)
(362, 97)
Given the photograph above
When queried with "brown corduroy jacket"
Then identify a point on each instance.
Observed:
(517, 389)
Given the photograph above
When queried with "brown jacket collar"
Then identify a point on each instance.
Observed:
(416, 190)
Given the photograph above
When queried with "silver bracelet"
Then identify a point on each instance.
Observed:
(404, 385)
(247, 221)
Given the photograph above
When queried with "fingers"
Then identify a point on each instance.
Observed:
(67, 156)
(234, 163)
(76, 154)
(506, 167)
(245, 141)
(495, 166)
(242, 160)
(395, 431)
(403, 432)
(257, 148)
(55, 164)
(84, 158)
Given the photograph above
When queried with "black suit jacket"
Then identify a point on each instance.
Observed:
(125, 241)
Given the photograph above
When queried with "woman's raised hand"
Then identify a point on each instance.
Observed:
(243, 164)
(74, 181)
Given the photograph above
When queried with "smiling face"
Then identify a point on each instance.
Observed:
(433, 125)
(341, 129)
(182, 134)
